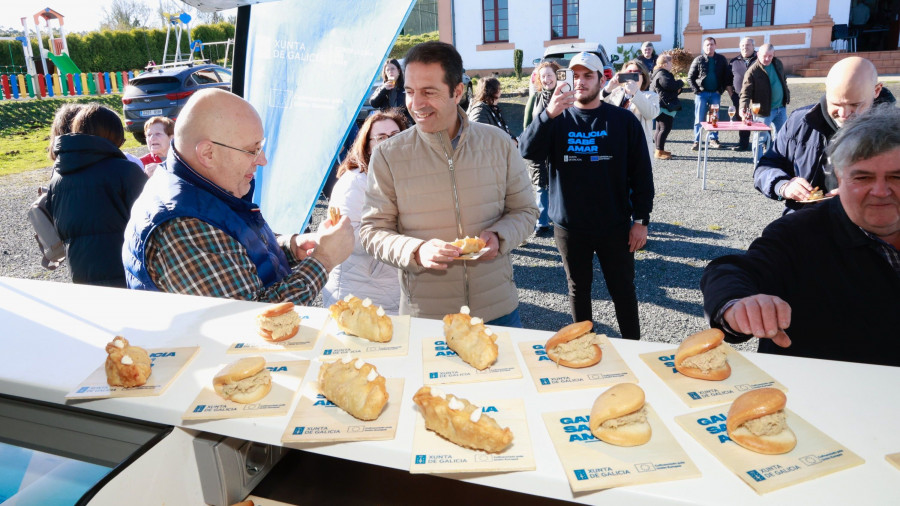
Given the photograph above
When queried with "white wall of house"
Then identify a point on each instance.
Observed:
(529, 27)
(794, 12)
(787, 12)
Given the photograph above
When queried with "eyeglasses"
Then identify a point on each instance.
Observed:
(383, 137)
(262, 144)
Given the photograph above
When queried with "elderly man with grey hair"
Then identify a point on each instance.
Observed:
(824, 282)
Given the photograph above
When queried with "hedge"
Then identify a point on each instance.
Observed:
(406, 42)
(109, 51)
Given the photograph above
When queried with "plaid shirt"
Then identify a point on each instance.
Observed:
(190, 256)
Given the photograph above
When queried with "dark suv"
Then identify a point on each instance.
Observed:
(163, 92)
(562, 53)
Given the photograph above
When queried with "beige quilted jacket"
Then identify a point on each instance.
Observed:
(419, 188)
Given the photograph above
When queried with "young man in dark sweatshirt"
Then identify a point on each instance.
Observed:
(601, 189)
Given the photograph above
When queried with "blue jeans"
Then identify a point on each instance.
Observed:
(543, 203)
(702, 102)
(510, 320)
(777, 117)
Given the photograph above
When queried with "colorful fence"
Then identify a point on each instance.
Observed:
(16, 86)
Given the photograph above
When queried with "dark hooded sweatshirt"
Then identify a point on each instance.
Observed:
(91, 193)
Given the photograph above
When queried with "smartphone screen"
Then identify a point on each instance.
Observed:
(628, 76)
(565, 78)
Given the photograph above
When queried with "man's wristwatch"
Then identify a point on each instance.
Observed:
(643, 221)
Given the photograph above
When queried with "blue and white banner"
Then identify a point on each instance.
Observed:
(310, 66)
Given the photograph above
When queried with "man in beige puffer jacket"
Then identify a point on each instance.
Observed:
(446, 179)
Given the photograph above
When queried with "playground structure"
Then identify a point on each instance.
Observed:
(178, 25)
(68, 79)
(58, 52)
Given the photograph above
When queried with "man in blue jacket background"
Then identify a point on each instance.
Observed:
(795, 164)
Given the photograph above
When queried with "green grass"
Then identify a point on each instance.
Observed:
(25, 130)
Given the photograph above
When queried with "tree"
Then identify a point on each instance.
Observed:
(125, 15)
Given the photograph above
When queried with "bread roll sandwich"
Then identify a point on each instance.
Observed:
(461, 422)
(126, 365)
(363, 319)
(245, 381)
(756, 421)
(469, 244)
(278, 322)
(574, 346)
(354, 386)
(703, 356)
(470, 339)
(619, 417)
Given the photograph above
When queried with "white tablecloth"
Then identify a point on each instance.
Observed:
(53, 336)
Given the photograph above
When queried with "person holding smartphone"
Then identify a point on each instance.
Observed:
(546, 72)
(630, 88)
(601, 189)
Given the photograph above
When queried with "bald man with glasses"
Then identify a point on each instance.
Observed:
(195, 231)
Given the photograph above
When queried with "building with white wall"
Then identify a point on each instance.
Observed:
(486, 32)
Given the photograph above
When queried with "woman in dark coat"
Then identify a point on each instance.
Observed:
(91, 193)
(668, 88)
(484, 109)
(391, 94)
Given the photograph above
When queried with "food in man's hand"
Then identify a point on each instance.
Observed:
(816, 194)
(574, 346)
(363, 319)
(126, 366)
(470, 339)
(619, 416)
(334, 215)
(354, 386)
(703, 356)
(245, 381)
(278, 322)
(469, 244)
(461, 422)
(756, 421)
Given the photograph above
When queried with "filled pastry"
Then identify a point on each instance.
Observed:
(354, 386)
(470, 339)
(461, 422)
(126, 366)
(469, 244)
(363, 319)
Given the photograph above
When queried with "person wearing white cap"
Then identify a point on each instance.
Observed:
(601, 189)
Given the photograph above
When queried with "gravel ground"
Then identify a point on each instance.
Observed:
(689, 228)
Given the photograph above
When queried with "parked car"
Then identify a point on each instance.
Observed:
(163, 91)
(562, 53)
